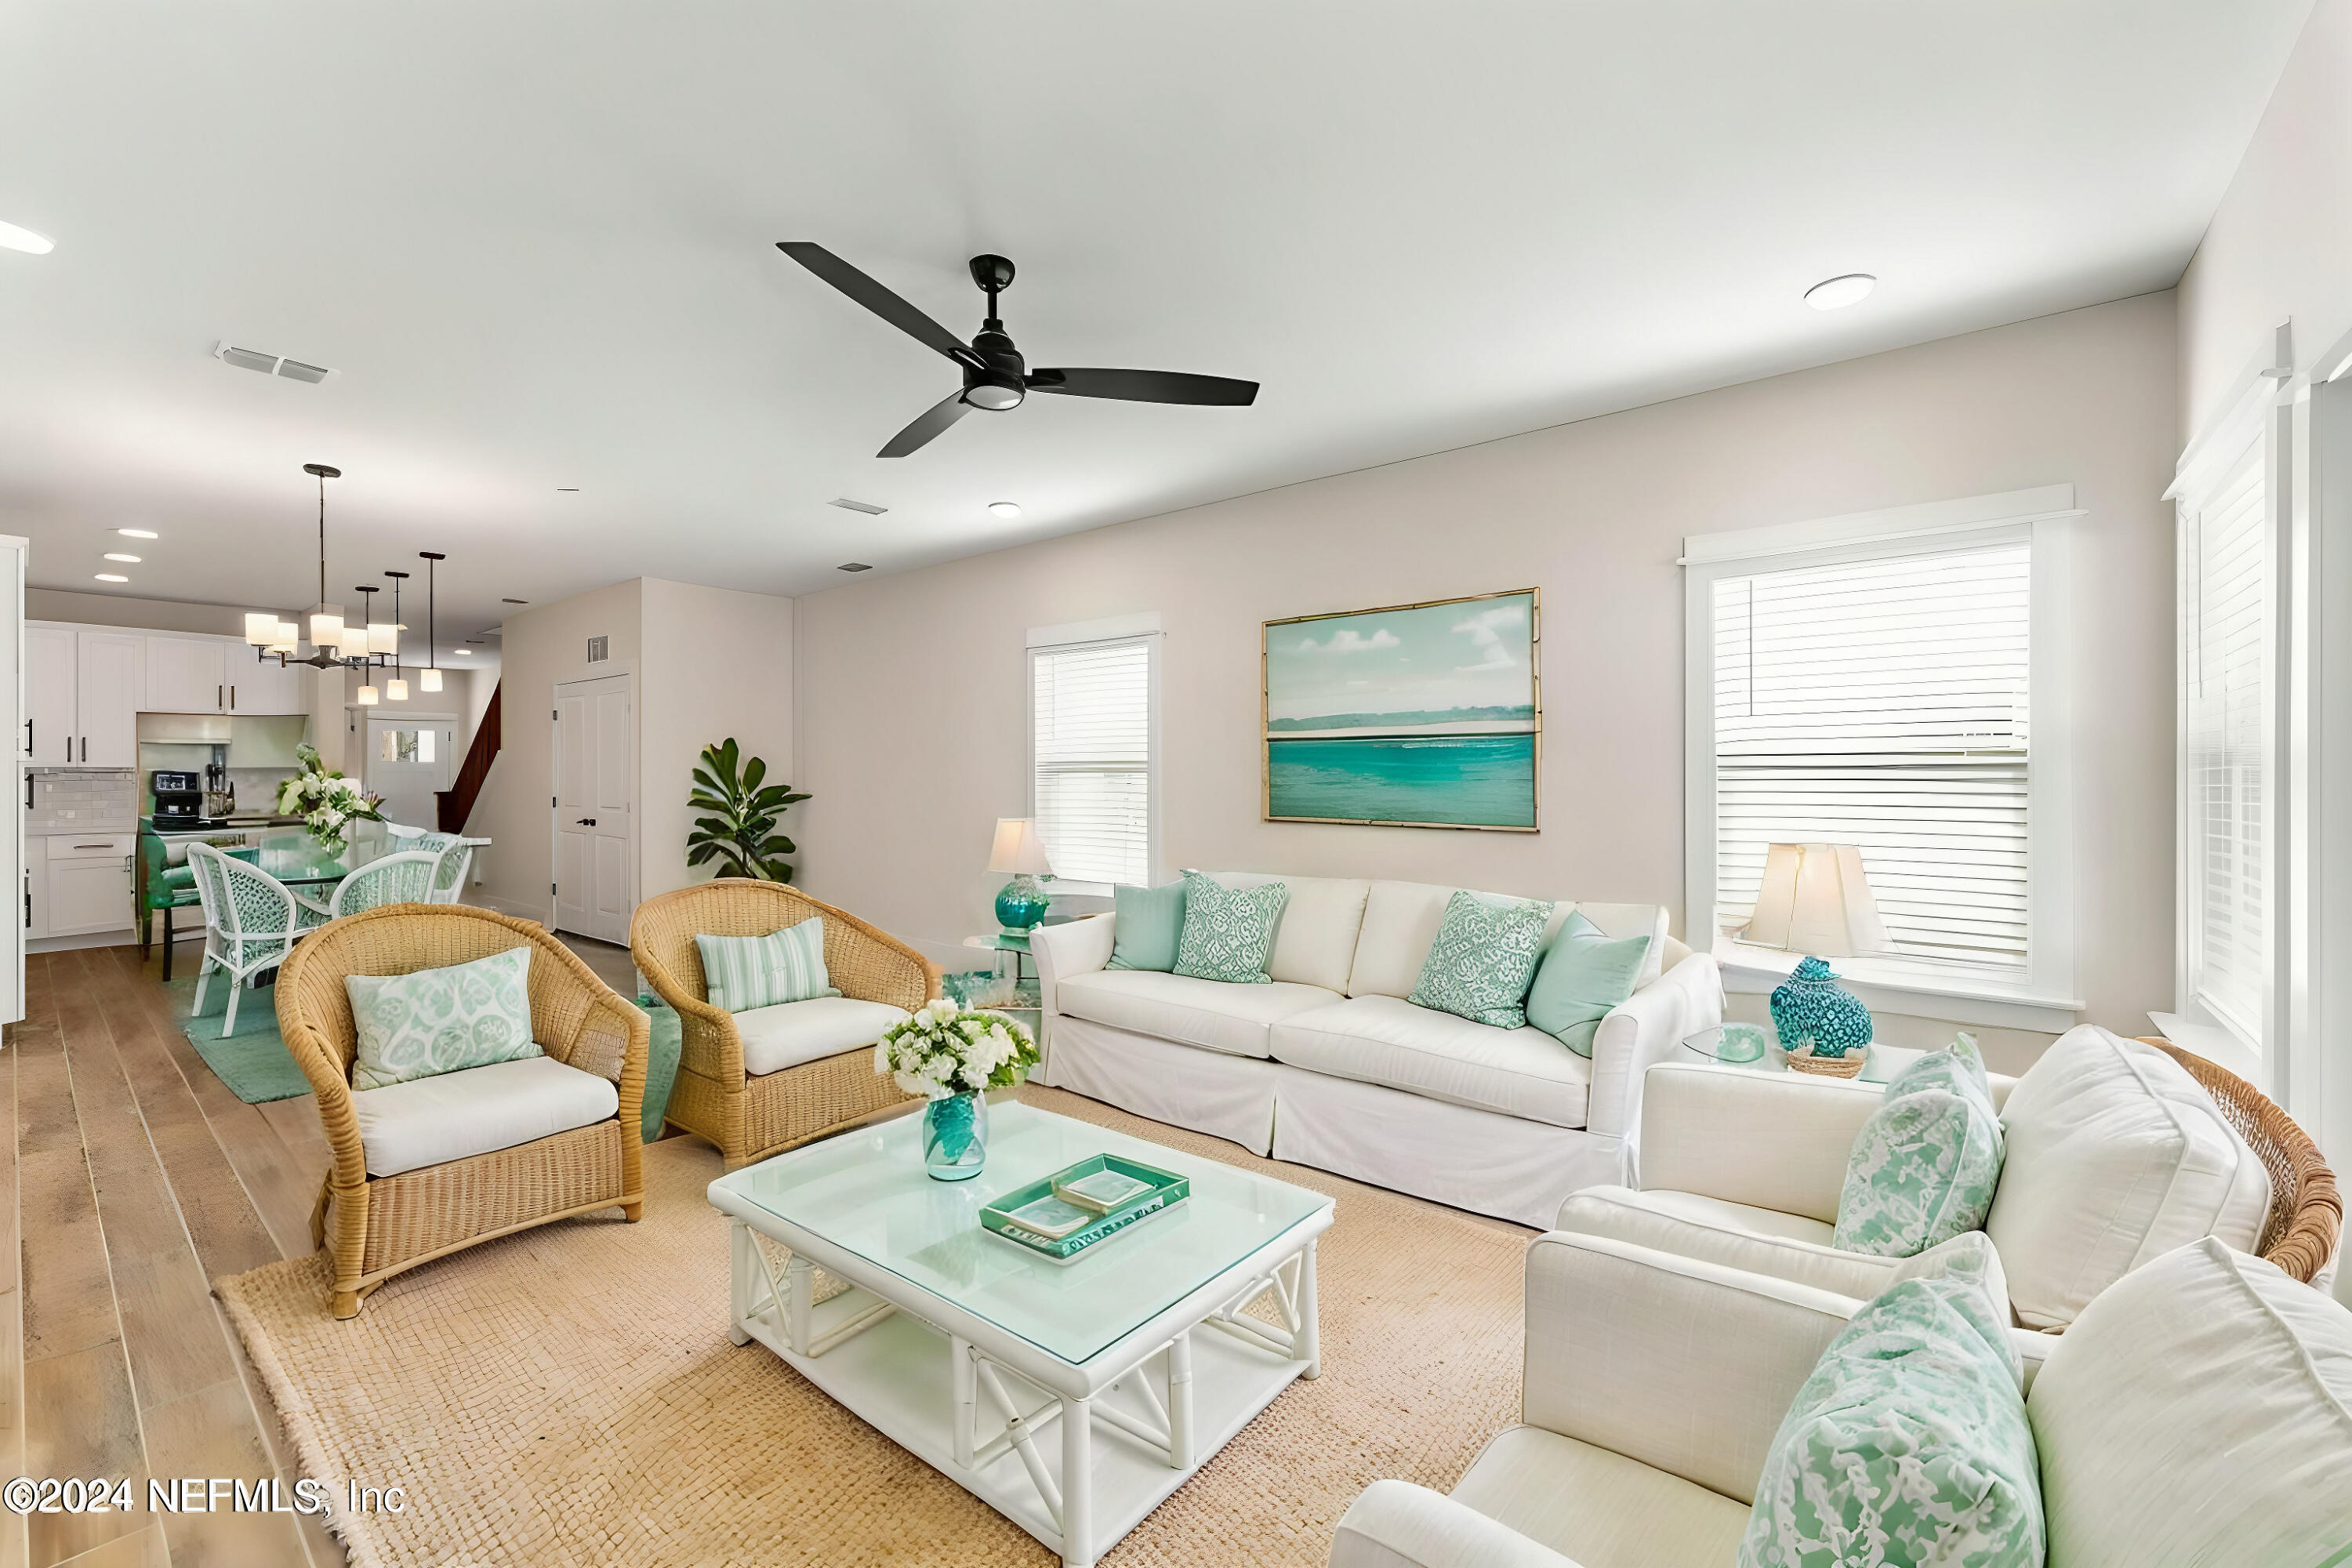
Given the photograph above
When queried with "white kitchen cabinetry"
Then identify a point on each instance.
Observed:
(187, 674)
(258, 688)
(88, 885)
(50, 679)
(109, 674)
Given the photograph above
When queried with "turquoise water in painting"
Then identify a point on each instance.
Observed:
(1484, 781)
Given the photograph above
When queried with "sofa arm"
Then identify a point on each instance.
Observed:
(1395, 1524)
(1686, 1366)
(1074, 947)
(1648, 1026)
(1775, 1141)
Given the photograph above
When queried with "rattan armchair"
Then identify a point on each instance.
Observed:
(751, 1118)
(2307, 1214)
(384, 1225)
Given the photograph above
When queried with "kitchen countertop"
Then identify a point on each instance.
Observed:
(223, 825)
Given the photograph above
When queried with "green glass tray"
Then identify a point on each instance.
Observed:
(1166, 1190)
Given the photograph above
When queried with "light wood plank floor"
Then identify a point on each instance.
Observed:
(133, 1178)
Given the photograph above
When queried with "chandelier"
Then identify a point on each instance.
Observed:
(366, 645)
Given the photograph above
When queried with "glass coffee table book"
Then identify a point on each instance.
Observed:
(1072, 1394)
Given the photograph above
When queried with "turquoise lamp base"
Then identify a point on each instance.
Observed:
(1817, 1016)
(1020, 905)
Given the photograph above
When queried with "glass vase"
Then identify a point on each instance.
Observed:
(955, 1137)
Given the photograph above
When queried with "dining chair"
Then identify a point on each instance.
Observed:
(406, 877)
(251, 922)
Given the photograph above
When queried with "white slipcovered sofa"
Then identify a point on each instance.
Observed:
(1329, 1065)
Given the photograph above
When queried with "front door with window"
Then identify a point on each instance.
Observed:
(596, 861)
(407, 760)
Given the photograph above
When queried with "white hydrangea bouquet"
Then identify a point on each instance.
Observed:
(325, 800)
(950, 1055)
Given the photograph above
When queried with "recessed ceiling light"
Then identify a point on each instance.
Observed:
(112, 577)
(1837, 293)
(1004, 509)
(463, 652)
(24, 239)
(868, 507)
(118, 555)
(852, 566)
(137, 533)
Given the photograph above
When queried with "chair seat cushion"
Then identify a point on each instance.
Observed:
(1389, 1041)
(1215, 1015)
(792, 1033)
(476, 1110)
(1597, 1507)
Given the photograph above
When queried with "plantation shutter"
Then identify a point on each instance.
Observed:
(1883, 703)
(1092, 728)
(2224, 757)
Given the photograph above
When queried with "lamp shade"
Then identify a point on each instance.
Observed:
(428, 680)
(1018, 847)
(261, 629)
(1815, 900)
(367, 696)
(354, 641)
(327, 629)
(382, 637)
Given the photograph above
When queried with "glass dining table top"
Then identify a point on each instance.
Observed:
(866, 1193)
(295, 859)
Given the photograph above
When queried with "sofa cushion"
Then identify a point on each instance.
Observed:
(2199, 1411)
(1315, 939)
(2115, 1156)
(1228, 932)
(1924, 1167)
(1620, 922)
(1146, 924)
(453, 1115)
(1210, 1014)
(1599, 1509)
(1387, 1040)
(791, 1033)
(741, 972)
(432, 1021)
(1581, 976)
(1485, 954)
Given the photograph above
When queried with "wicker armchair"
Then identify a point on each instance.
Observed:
(2307, 1214)
(384, 1225)
(751, 1118)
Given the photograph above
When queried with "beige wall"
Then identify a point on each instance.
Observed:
(149, 614)
(543, 643)
(2279, 245)
(717, 663)
(913, 717)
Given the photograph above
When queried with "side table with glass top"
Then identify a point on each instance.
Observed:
(1720, 1045)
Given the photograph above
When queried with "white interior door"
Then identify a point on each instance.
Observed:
(407, 760)
(595, 816)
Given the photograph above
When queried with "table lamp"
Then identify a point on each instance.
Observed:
(1020, 905)
(1815, 901)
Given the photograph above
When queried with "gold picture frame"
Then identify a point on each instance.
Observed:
(1484, 762)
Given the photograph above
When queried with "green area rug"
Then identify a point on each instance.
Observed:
(256, 1065)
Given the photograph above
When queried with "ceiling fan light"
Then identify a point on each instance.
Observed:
(994, 395)
(396, 691)
(367, 697)
(261, 629)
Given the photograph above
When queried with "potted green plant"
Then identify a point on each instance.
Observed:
(742, 809)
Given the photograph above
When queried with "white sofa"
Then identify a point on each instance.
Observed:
(1330, 1066)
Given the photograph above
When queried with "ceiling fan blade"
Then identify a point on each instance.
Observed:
(878, 298)
(928, 424)
(1145, 386)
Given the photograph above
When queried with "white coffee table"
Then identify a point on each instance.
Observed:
(962, 1347)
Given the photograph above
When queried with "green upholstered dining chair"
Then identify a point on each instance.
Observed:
(163, 887)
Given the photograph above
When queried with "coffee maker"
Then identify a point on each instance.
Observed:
(179, 796)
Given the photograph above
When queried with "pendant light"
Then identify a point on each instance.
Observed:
(355, 644)
(326, 619)
(396, 688)
(429, 677)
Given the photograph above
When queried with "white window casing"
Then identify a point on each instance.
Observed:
(1094, 752)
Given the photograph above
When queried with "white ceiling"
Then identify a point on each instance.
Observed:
(536, 241)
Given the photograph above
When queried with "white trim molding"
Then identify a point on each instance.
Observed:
(1890, 523)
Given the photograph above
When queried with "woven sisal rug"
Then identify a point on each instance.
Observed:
(569, 1395)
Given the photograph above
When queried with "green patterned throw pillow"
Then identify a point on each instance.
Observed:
(441, 1020)
(1926, 1166)
(1485, 954)
(1909, 1445)
(1228, 932)
(741, 972)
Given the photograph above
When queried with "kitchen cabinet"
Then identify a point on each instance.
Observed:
(259, 688)
(86, 887)
(187, 674)
(109, 668)
(50, 678)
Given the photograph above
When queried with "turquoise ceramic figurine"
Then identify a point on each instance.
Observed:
(1816, 1015)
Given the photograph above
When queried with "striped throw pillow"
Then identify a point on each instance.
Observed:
(741, 972)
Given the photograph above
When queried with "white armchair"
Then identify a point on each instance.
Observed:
(1654, 1387)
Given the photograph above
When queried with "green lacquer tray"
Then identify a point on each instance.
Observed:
(1166, 1189)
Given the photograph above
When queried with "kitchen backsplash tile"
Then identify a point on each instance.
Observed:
(82, 799)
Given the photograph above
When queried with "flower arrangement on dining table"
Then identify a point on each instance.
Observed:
(325, 800)
(951, 1056)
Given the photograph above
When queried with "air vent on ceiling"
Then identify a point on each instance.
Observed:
(852, 566)
(270, 363)
(868, 507)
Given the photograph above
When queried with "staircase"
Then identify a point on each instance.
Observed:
(457, 804)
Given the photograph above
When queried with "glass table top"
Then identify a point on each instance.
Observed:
(866, 1193)
(1879, 1067)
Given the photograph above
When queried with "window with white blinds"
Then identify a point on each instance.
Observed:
(1882, 703)
(1091, 742)
(2225, 777)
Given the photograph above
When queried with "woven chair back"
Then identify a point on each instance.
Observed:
(406, 877)
(2305, 1222)
(449, 869)
(241, 901)
(400, 938)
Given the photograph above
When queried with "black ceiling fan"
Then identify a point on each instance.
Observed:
(995, 378)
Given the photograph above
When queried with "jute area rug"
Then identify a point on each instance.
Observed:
(569, 1395)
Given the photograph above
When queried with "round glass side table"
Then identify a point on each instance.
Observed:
(1734, 1045)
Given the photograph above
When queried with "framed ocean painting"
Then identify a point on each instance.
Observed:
(1415, 716)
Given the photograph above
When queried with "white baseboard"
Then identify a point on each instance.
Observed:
(521, 911)
(128, 936)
